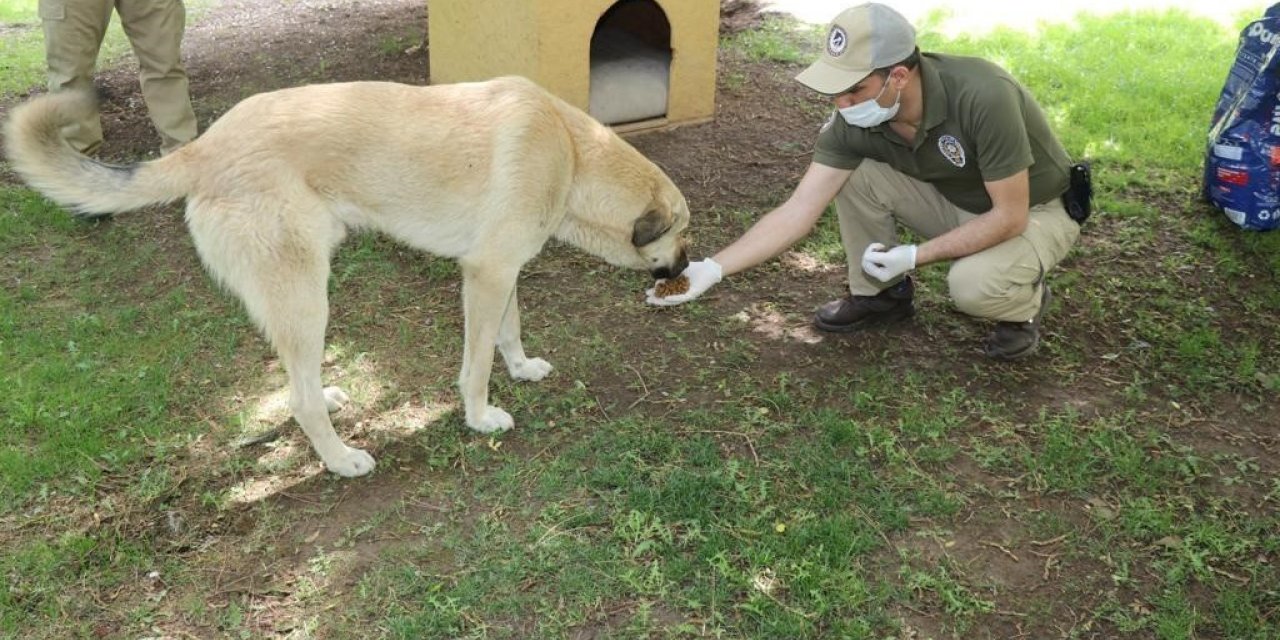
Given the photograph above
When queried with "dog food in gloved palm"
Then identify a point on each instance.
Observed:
(671, 287)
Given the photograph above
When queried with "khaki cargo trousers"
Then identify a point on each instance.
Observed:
(1001, 283)
(73, 32)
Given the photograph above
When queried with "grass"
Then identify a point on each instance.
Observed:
(22, 44)
(778, 39)
(18, 11)
(728, 484)
(21, 48)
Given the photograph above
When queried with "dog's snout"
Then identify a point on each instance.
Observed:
(682, 263)
(673, 270)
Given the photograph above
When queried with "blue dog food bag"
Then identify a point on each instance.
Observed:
(1242, 163)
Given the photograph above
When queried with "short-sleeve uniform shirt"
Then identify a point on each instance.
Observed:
(979, 125)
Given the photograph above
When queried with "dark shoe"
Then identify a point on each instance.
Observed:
(1014, 340)
(851, 312)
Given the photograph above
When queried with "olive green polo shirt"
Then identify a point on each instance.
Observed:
(979, 125)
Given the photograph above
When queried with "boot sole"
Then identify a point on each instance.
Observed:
(866, 323)
(1018, 355)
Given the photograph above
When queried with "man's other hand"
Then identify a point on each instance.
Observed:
(887, 265)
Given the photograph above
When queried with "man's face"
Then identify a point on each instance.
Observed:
(869, 88)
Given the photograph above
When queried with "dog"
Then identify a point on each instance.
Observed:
(484, 173)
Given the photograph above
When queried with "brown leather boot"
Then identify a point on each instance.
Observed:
(852, 313)
(1014, 340)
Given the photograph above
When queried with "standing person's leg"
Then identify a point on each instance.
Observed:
(155, 29)
(73, 31)
(869, 207)
(1006, 282)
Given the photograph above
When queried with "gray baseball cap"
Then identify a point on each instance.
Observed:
(860, 40)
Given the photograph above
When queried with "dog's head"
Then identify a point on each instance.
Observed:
(622, 207)
(631, 220)
(657, 236)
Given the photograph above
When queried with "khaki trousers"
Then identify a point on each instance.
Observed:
(73, 32)
(1000, 283)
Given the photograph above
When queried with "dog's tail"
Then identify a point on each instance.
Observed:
(38, 153)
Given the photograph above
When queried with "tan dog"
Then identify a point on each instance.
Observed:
(484, 173)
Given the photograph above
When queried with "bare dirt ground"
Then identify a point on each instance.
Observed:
(746, 159)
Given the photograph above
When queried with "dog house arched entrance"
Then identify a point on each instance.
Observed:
(630, 63)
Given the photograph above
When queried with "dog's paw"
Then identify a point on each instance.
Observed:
(335, 399)
(492, 421)
(352, 463)
(530, 369)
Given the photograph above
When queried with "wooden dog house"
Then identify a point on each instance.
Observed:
(633, 64)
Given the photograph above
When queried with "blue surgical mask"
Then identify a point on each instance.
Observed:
(869, 113)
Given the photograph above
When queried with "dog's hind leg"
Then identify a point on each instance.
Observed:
(294, 319)
(486, 290)
(298, 336)
(281, 274)
(520, 366)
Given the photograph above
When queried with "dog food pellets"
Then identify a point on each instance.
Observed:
(672, 287)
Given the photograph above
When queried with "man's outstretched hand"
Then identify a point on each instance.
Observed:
(702, 275)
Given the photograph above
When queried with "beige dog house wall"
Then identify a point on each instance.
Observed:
(633, 64)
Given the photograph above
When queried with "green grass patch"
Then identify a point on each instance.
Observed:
(18, 11)
(779, 38)
(88, 392)
(22, 59)
(1097, 104)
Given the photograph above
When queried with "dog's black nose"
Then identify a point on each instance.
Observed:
(682, 262)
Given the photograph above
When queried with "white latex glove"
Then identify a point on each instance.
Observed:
(701, 274)
(887, 265)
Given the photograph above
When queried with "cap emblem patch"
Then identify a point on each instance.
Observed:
(837, 42)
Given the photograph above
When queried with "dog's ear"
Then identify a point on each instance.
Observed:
(649, 227)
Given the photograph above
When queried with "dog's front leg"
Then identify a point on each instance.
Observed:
(519, 366)
(485, 293)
